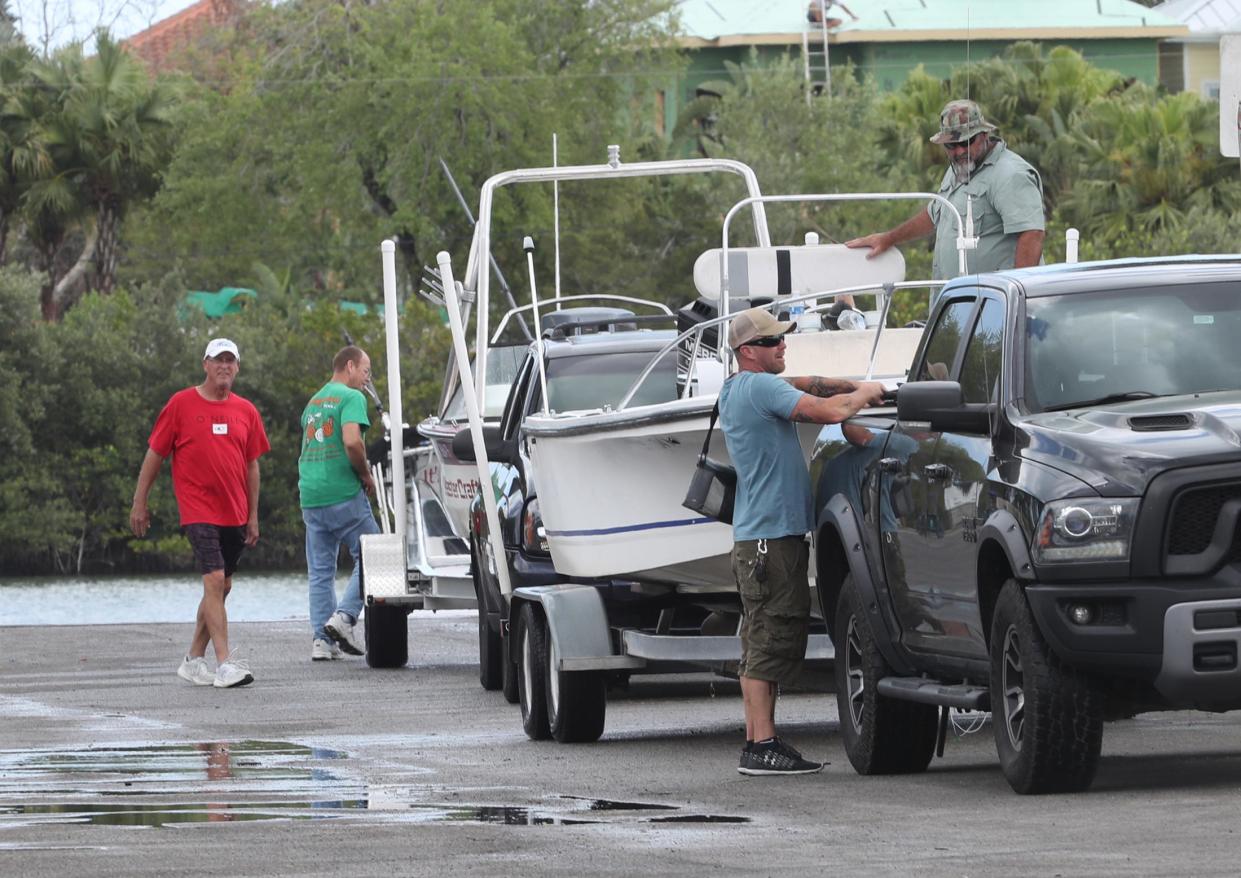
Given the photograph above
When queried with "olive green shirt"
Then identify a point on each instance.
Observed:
(1007, 195)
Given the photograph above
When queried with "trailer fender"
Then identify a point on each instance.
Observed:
(575, 617)
(839, 514)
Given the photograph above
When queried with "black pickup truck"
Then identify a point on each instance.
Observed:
(1047, 528)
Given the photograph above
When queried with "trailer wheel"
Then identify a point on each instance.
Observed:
(387, 636)
(881, 735)
(1047, 716)
(532, 671)
(576, 701)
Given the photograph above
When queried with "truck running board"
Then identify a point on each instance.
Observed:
(926, 691)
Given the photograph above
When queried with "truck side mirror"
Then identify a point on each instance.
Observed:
(942, 404)
(497, 448)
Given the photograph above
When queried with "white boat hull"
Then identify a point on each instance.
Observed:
(610, 491)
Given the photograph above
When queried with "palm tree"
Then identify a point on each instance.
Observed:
(110, 137)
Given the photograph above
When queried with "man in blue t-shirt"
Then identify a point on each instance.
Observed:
(772, 514)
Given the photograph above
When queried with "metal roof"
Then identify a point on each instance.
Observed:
(1204, 17)
(729, 22)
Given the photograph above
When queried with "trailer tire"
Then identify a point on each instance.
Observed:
(532, 642)
(387, 636)
(577, 702)
(1047, 716)
(881, 735)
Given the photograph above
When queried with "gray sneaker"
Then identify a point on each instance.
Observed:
(233, 672)
(344, 632)
(324, 650)
(775, 757)
(195, 670)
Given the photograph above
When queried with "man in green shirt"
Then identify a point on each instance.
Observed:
(334, 480)
(1004, 190)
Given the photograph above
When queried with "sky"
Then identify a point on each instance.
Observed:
(50, 24)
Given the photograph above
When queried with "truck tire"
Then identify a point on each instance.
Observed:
(532, 671)
(1047, 716)
(490, 671)
(387, 636)
(577, 702)
(508, 674)
(881, 735)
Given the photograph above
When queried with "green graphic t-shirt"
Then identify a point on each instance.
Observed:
(325, 476)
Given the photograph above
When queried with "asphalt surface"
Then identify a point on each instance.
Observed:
(111, 765)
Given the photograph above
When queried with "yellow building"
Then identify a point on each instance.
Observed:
(1191, 63)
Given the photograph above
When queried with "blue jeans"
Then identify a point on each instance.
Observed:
(327, 527)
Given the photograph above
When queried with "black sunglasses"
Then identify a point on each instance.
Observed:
(957, 144)
(769, 341)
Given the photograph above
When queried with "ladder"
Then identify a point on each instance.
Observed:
(814, 55)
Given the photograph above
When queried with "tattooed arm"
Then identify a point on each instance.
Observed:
(837, 407)
(818, 386)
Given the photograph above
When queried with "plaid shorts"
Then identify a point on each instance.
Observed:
(216, 547)
(776, 624)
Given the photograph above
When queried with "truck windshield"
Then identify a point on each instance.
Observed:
(1102, 347)
(590, 382)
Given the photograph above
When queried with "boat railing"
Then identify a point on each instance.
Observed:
(815, 302)
(543, 303)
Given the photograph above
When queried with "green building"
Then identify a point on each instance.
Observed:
(890, 38)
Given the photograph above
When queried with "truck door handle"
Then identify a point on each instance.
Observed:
(891, 465)
(937, 471)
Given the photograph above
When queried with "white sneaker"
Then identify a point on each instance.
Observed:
(324, 650)
(233, 672)
(196, 671)
(340, 629)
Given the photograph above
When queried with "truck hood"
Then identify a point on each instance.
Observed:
(1119, 448)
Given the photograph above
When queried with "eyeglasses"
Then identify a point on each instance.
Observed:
(767, 341)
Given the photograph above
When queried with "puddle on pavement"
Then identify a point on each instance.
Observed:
(171, 784)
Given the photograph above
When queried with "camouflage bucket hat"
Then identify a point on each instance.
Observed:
(960, 120)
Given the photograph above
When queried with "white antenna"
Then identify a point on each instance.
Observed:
(556, 219)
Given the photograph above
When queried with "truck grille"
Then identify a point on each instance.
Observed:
(1194, 513)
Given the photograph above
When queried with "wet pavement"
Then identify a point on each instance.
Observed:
(111, 765)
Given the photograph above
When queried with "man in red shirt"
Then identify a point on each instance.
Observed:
(215, 438)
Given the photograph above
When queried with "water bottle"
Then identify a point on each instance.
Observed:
(796, 312)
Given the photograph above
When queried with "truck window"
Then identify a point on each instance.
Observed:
(981, 369)
(941, 349)
(1162, 341)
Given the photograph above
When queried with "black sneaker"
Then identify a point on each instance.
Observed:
(745, 754)
(776, 757)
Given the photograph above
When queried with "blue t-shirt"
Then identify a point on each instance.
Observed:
(773, 488)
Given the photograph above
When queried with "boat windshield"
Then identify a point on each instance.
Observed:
(585, 383)
(1104, 347)
(503, 361)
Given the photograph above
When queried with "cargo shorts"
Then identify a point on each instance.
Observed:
(776, 623)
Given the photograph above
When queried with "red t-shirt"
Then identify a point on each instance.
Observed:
(211, 444)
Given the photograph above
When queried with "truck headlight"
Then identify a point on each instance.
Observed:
(533, 534)
(1086, 529)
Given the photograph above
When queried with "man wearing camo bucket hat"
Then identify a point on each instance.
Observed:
(1006, 194)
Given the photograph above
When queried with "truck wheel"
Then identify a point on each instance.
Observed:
(577, 701)
(881, 735)
(1047, 716)
(532, 671)
(490, 671)
(387, 636)
(508, 673)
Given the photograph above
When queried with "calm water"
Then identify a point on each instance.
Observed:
(99, 600)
